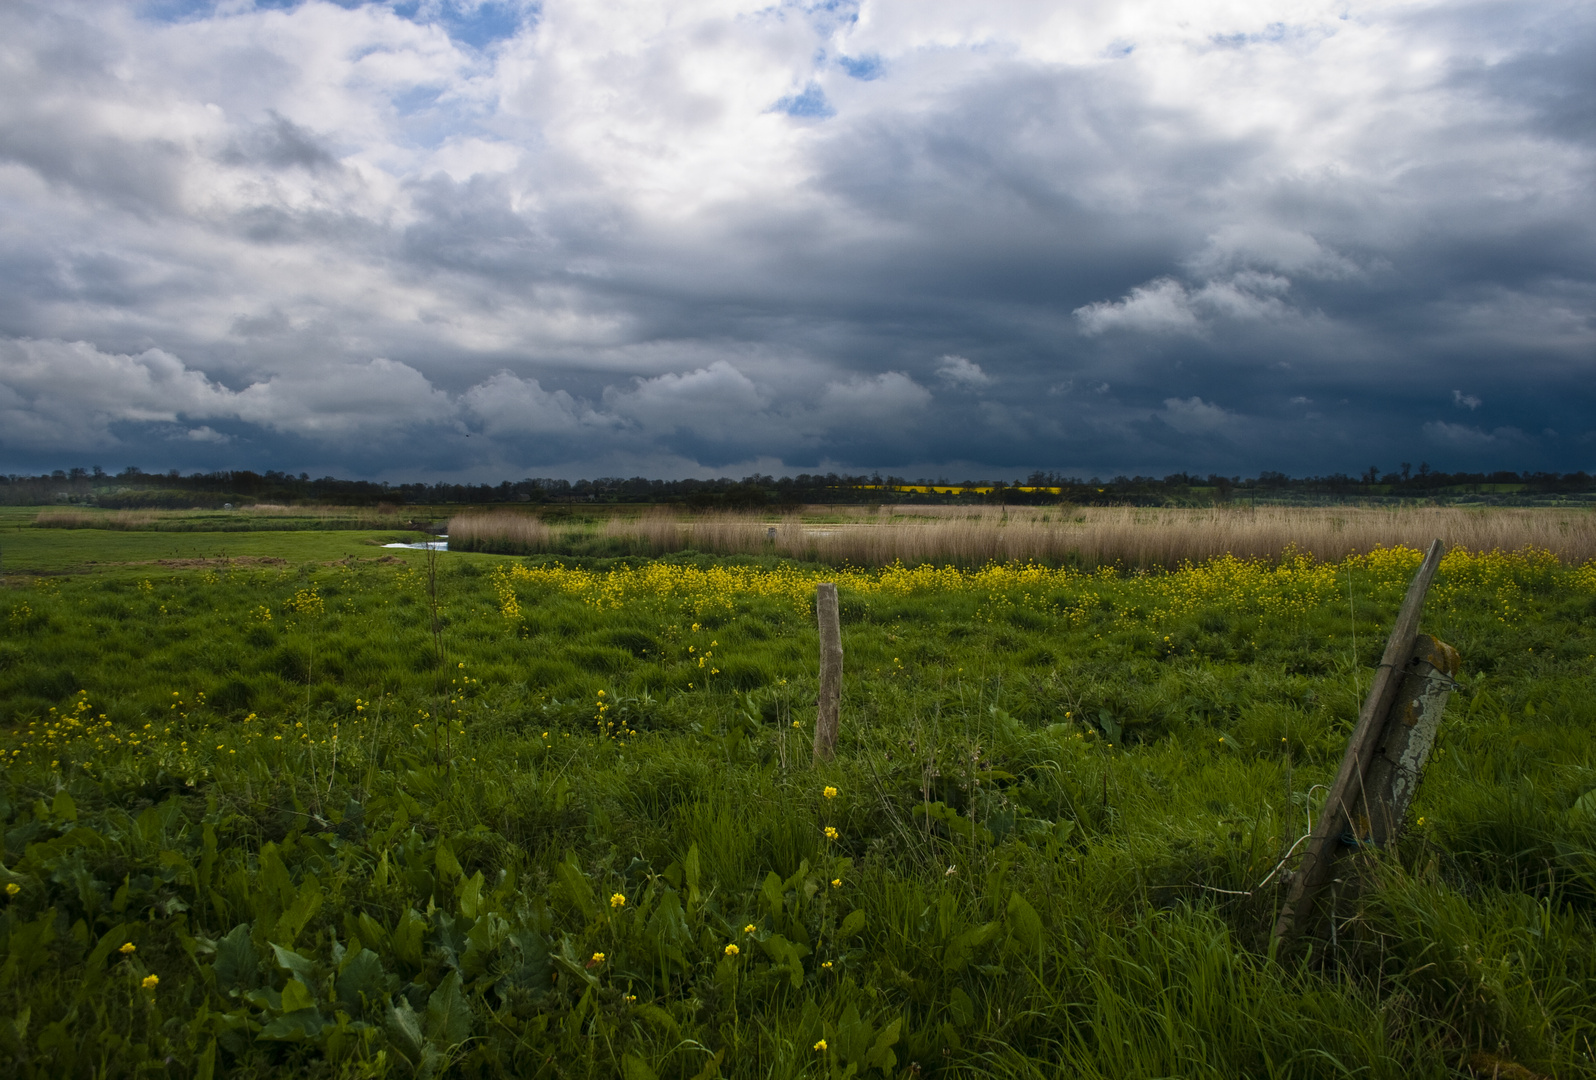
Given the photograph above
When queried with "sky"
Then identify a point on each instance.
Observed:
(451, 239)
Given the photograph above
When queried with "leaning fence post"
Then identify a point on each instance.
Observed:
(830, 700)
(1404, 744)
(1349, 798)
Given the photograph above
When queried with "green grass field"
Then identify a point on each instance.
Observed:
(334, 816)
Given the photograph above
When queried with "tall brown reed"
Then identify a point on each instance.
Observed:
(1089, 536)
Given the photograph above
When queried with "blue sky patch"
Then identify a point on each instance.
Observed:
(476, 25)
(864, 68)
(811, 103)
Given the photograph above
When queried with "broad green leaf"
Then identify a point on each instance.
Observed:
(470, 894)
(576, 886)
(296, 996)
(404, 1028)
(635, 1068)
(786, 954)
(289, 960)
(448, 1013)
(771, 891)
(961, 1007)
(853, 1034)
(305, 905)
(1024, 923)
(711, 1068)
(236, 961)
(448, 865)
(482, 942)
(176, 861)
(881, 1055)
(407, 937)
(659, 1018)
(1584, 808)
(294, 1027)
(853, 925)
(372, 933)
(361, 980)
(205, 1064)
(63, 808)
(14, 1031)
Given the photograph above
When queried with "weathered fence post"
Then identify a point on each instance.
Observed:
(1348, 808)
(1405, 743)
(830, 700)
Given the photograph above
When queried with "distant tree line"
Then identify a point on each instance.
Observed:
(132, 488)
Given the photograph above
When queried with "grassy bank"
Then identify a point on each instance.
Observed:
(259, 517)
(492, 817)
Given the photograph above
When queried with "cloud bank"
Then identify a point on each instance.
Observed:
(488, 240)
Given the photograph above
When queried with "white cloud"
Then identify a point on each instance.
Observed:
(1463, 436)
(1194, 416)
(69, 394)
(1161, 306)
(378, 399)
(510, 406)
(887, 399)
(717, 400)
(1165, 306)
(960, 372)
(1260, 244)
(1465, 401)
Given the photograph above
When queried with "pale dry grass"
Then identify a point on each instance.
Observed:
(201, 519)
(1089, 536)
(501, 530)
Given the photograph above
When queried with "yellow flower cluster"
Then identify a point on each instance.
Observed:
(305, 602)
(1291, 585)
(717, 588)
(82, 737)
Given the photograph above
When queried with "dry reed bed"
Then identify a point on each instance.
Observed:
(155, 520)
(1090, 536)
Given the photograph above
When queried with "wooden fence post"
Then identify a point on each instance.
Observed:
(1405, 743)
(830, 701)
(1349, 797)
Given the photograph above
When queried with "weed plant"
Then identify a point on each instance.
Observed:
(558, 818)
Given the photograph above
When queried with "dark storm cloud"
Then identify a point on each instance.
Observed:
(487, 239)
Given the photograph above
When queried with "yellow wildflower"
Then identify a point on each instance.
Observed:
(598, 958)
(831, 833)
(126, 948)
(618, 900)
(821, 1046)
(12, 888)
(732, 950)
(150, 982)
(830, 792)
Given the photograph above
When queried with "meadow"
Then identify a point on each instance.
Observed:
(306, 807)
